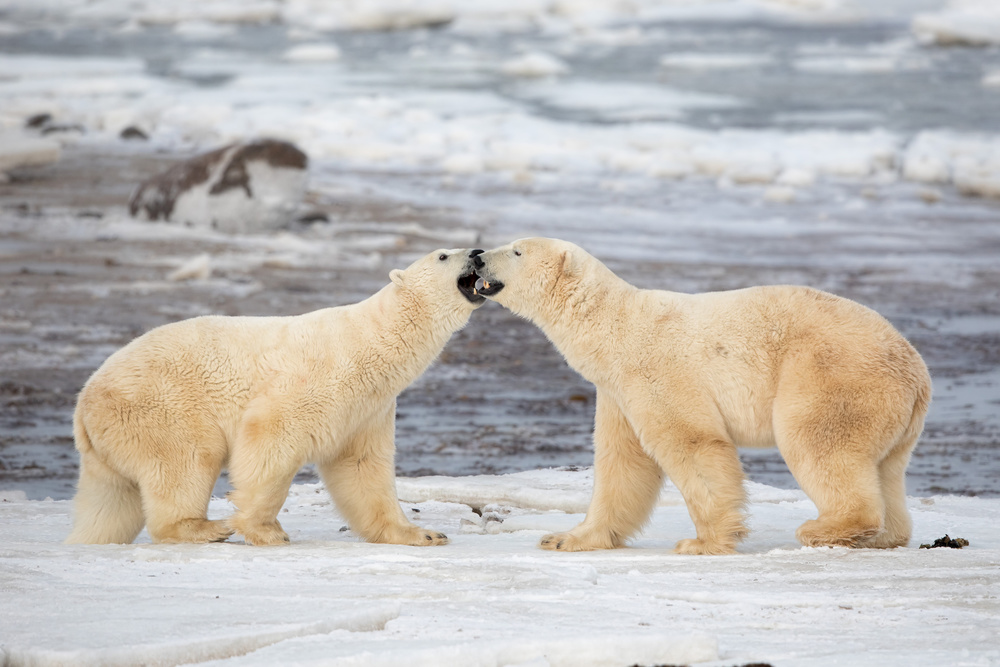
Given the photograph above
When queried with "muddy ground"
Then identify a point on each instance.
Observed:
(500, 399)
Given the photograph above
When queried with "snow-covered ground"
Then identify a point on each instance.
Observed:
(491, 597)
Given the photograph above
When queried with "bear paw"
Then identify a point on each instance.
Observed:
(216, 531)
(196, 531)
(418, 537)
(429, 538)
(264, 535)
(818, 533)
(697, 547)
(571, 542)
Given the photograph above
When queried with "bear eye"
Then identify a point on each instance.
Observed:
(442, 257)
(517, 253)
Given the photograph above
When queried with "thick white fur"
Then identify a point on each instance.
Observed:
(161, 417)
(682, 380)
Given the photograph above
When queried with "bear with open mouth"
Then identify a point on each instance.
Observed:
(684, 379)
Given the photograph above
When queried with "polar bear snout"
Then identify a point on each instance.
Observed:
(475, 281)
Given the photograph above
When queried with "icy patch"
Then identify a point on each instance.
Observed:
(463, 163)
(556, 489)
(847, 65)
(203, 30)
(968, 22)
(21, 150)
(562, 490)
(196, 268)
(534, 65)
(213, 11)
(320, 52)
(624, 101)
(368, 14)
(970, 162)
(710, 61)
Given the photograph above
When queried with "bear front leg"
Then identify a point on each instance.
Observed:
(626, 486)
(361, 480)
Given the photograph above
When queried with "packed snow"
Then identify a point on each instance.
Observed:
(492, 597)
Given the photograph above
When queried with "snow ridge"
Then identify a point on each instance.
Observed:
(201, 650)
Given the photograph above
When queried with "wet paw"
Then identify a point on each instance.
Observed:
(696, 547)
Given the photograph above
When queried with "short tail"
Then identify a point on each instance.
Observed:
(107, 508)
(921, 405)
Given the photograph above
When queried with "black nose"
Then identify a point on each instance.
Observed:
(477, 251)
(478, 262)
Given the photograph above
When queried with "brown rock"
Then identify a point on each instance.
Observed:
(254, 186)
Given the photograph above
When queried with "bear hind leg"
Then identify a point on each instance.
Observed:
(262, 464)
(177, 512)
(844, 484)
(892, 478)
(258, 502)
(107, 508)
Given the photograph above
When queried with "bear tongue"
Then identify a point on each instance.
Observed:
(480, 284)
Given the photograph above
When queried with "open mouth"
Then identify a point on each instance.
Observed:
(467, 286)
(474, 287)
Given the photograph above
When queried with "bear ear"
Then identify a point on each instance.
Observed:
(566, 263)
(396, 276)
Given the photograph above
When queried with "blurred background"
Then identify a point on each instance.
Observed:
(160, 161)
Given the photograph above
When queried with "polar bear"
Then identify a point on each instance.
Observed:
(159, 420)
(683, 379)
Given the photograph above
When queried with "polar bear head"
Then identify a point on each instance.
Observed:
(528, 276)
(434, 280)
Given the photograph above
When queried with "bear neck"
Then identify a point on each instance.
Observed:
(587, 316)
(407, 333)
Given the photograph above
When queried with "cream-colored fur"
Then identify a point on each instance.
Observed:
(682, 380)
(262, 396)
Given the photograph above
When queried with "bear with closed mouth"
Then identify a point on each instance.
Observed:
(684, 379)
